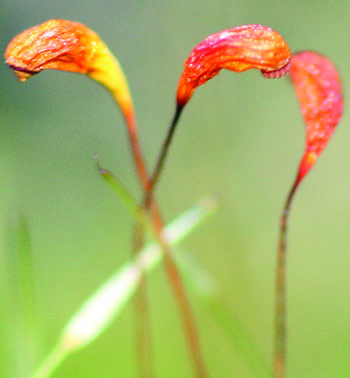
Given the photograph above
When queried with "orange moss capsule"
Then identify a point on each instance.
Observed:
(238, 49)
(318, 89)
(68, 46)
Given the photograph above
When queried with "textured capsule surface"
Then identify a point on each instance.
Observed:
(68, 46)
(55, 44)
(237, 49)
(318, 88)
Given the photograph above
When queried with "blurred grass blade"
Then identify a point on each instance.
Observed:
(111, 297)
(52, 361)
(143, 334)
(209, 294)
(20, 258)
(122, 192)
(23, 316)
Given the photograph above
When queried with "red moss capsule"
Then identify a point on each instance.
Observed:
(238, 49)
(318, 89)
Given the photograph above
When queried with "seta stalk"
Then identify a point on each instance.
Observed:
(318, 88)
(71, 46)
(238, 49)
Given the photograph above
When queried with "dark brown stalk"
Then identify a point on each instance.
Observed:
(280, 346)
(162, 155)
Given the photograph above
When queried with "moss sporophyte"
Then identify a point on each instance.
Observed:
(71, 46)
(238, 49)
(318, 88)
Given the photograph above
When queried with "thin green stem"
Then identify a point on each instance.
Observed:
(186, 313)
(22, 307)
(280, 352)
(173, 274)
(123, 194)
(142, 318)
(111, 297)
(214, 303)
(52, 361)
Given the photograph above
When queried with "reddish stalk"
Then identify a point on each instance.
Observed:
(142, 315)
(280, 346)
(170, 266)
(318, 89)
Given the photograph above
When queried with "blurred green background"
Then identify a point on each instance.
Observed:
(240, 138)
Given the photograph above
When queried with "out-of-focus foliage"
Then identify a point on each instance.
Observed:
(241, 138)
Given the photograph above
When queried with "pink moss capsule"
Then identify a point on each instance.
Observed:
(237, 49)
(318, 89)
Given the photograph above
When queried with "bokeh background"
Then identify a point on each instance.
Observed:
(240, 139)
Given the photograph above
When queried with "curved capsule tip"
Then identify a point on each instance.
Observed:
(68, 46)
(238, 49)
(55, 44)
